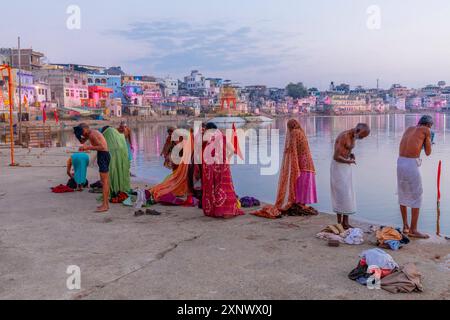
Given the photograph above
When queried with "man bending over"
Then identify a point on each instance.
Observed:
(98, 143)
(409, 180)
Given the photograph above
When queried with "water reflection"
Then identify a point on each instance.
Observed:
(375, 173)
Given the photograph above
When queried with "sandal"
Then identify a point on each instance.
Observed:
(139, 213)
(151, 212)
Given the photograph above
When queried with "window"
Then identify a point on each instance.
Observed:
(67, 93)
(83, 82)
(67, 80)
(72, 93)
(75, 81)
(90, 80)
(103, 81)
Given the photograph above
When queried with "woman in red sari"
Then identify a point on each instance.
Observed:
(219, 198)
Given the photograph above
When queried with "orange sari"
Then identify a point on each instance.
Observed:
(177, 183)
(297, 158)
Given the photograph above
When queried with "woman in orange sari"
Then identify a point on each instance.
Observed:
(176, 186)
(297, 183)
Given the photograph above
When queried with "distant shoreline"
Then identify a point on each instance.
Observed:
(65, 125)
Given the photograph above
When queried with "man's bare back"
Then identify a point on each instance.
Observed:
(98, 142)
(413, 141)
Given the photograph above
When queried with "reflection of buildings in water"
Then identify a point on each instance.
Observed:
(399, 124)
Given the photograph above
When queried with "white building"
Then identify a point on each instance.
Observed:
(197, 82)
(170, 87)
(398, 103)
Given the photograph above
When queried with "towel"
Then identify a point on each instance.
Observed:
(342, 188)
(409, 182)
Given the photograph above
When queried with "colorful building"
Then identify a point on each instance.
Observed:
(114, 82)
(68, 87)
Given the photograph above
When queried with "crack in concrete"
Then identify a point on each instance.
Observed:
(159, 256)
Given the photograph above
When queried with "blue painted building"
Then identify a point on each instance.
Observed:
(109, 81)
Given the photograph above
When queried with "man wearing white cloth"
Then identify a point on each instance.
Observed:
(409, 180)
(342, 187)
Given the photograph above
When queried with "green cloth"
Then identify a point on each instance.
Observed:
(119, 167)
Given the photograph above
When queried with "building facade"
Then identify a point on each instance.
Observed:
(170, 87)
(68, 87)
(349, 103)
(197, 83)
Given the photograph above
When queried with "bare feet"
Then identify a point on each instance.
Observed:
(406, 230)
(102, 209)
(418, 235)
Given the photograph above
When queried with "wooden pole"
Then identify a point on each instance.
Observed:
(438, 218)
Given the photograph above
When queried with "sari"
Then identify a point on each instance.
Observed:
(166, 152)
(176, 184)
(296, 184)
(119, 166)
(219, 198)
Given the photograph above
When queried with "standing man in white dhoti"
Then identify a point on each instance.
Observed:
(409, 180)
(342, 187)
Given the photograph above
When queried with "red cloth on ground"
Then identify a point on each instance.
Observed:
(62, 189)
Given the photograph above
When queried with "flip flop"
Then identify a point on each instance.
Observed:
(139, 213)
(150, 212)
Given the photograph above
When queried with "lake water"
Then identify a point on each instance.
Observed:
(375, 174)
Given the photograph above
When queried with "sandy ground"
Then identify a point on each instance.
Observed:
(179, 255)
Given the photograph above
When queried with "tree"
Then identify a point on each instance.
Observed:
(296, 91)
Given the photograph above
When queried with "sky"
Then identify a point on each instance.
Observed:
(271, 42)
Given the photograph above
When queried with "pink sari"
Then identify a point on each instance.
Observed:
(219, 197)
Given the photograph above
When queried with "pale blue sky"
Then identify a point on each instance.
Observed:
(249, 41)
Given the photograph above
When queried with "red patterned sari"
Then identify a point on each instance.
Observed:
(219, 197)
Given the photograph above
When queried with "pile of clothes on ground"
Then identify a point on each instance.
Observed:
(119, 197)
(297, 210)
(249, 202)
(337, 233)
(62, 189)
(390, 238)
(378, 267)
(71, 186)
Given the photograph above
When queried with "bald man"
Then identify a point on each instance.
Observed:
(342, 188)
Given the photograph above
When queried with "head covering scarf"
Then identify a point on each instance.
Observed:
(78, 131)
(296, 158)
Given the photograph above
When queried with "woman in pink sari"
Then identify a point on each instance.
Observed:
(297, 182)
(219, 197)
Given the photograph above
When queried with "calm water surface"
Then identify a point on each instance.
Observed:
(375, 174)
